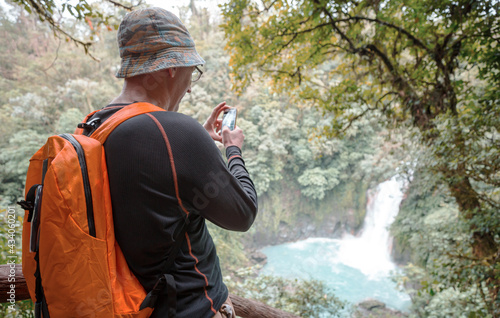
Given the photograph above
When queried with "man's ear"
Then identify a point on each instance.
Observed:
(172, 71)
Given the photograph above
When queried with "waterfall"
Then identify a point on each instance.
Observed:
(357, 268)
(370, 252)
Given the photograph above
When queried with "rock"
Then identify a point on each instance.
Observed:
(371, 308)
(371, 304)
(258, 257)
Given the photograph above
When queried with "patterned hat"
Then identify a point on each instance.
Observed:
(153, 39)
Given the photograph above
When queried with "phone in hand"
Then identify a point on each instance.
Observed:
(229, 118)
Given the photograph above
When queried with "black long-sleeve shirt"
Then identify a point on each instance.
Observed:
(146, 211)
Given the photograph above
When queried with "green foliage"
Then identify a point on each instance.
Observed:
(437, 300)
(44, 92)
(94, 14)
(69, 120)
(305, 298)
(229, 248)
(407, 61)
(14, 163)
(444, 279)
(317, 181)
(22, 309)
(432, 65)
(10, 229)
(282, 140)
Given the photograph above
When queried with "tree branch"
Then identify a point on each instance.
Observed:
(334, 25)
(117, 4)
(55, 59)
(283, 46)
(400, 29)
(42, 13)
(307, 30)
(373, 48)
(353, 119)
(383, 96)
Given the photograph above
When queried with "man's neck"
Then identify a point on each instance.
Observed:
(134, 91)
(127, 98)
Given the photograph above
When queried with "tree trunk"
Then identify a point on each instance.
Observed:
(483, 243)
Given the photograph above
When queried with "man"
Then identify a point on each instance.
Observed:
(159, 63)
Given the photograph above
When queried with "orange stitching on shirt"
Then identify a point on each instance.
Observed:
(171, 157)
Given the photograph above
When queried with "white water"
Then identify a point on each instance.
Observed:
(370, 252)
(355, 267)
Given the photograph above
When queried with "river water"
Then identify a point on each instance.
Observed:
(356, 268)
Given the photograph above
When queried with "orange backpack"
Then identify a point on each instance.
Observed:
(72, 264)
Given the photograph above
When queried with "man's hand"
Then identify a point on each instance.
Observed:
(213, 123)
(232, 137)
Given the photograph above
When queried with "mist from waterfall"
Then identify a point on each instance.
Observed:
(356, 268)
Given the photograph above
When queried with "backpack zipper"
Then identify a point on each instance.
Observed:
(86, 183)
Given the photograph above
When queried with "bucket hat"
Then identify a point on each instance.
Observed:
(153, 39)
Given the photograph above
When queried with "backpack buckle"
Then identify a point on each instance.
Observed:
(90, 125)
(26, 205)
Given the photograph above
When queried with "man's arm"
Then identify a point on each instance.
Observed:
(223, 194)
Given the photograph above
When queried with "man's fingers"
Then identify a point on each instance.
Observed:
(218, 109)
(216, 137)
(215, 113)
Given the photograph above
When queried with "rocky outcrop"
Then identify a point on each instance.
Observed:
(257, 257)
(302, 228)
(371, 308)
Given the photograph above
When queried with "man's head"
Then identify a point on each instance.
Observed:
(158, 57)
(154, 39)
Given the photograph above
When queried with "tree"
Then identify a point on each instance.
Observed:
(46, 89)
(429, 64)
(95, 15)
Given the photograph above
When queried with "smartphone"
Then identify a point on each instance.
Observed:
(229, 118)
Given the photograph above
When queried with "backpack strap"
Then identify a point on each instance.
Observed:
(129, 111)
(33, 205)
(165, 279)
(79, 130)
